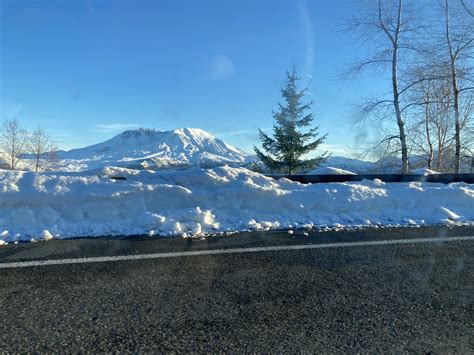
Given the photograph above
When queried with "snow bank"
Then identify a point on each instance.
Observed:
(198, 202)
(424, 171)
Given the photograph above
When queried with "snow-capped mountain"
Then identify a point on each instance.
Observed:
(384, 165)
(191, 147)
(149, 148)
(329, 170)
(348, 164)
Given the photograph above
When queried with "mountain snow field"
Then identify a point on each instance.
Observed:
(196, 202)
(146, 148)
(329, 170)
(185, 148)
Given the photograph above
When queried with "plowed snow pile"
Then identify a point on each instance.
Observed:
(200, 201)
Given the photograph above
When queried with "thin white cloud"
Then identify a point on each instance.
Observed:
(10, 109)
(221, 67)
(90, 6)
(308, 41)
(115, 127)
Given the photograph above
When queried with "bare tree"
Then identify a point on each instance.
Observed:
(467, 134)
(442, 122)
(469, 9)
(13, 141)
(42, 148)
(424, 139)
(459, 40)
(430, 131)
(387, 28)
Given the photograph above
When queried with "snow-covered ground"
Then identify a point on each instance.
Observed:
(424, 171)
(330, 170)
(196, 202)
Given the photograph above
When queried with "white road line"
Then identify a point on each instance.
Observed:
(178, 254)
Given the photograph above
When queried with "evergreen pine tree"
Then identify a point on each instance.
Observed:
(290, 142)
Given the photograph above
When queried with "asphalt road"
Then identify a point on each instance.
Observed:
(416, 297)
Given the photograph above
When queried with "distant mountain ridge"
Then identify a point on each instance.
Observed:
(146, 148)
(150, 148)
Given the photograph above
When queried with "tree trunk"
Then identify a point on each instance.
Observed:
(13, 152)
(428, 135)
(398, 113)
(440, 154)
(396, 93)
(457, 129)
(290, 167)
(454, 83)
(37, 163)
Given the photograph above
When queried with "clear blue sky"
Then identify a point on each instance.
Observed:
(87, 69)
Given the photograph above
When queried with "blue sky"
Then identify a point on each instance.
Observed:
(87, 69)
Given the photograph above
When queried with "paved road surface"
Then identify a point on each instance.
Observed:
(372, 297)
